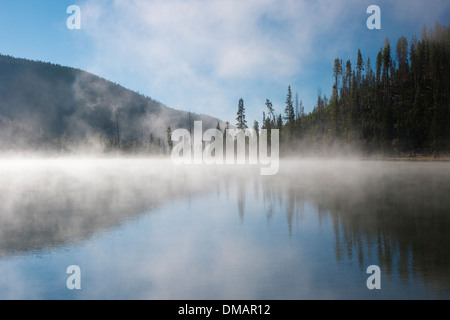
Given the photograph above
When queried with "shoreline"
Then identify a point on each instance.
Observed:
(118, 156)
(409, 158)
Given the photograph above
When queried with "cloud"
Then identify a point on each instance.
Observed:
(207, 54)
(218, 38)
(198, 54)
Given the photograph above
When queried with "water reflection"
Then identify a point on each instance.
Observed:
(48, 203)
(396, 215)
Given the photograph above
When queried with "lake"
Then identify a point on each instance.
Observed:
(148, 229)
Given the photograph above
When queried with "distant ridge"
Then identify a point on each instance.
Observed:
(43, 103)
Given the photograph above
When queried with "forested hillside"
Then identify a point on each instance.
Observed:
(48, 107)
(396, 104)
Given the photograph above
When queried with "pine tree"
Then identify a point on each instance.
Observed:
(359, 68)
(386, 63)
(379, 64)
(264, 121)
(169, 138)
(270, 110)
(347, 77)
(289, 110)
(256, 127)
(402, 55)
(337, 73)
(279, 123)
(369, 72)
(151, 143)
(241, 122)
(225, 136)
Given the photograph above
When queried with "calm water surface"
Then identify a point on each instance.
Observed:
(146, 229)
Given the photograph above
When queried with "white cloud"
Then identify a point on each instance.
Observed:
(220, 38)
(202, 50)
(196, 53)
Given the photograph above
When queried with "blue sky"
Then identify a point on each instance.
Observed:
(203, 55)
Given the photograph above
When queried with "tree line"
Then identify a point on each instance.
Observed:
(396, 105)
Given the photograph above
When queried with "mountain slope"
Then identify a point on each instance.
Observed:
(42, 102)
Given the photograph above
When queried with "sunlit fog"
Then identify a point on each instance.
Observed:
(147, 228)
(224, 150)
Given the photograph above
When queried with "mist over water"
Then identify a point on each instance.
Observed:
(149, 229)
